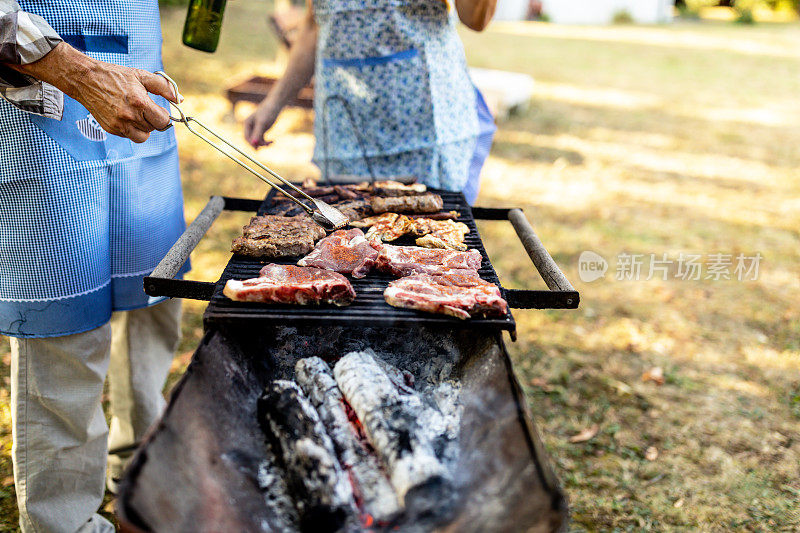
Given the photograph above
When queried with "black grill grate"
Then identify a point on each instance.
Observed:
(369, 307)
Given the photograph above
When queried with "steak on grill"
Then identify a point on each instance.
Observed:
(458, 293)
(288, 284)
(278, 236)
(422, 203)
(345, 251)
(405, 260)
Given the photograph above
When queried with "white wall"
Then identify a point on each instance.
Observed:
(602, 11)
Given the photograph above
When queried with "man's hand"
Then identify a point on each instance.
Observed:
(117, 97)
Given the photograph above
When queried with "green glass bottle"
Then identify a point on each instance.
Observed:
(203, 24)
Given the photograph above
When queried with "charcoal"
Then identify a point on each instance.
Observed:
(319, 485)
(377, 496)
(393, 423)
(271, 481)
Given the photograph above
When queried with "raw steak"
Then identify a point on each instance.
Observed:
(459, 293)
(345, 251)
(405, 260)
(288, 284)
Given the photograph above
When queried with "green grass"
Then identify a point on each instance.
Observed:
(643, 140)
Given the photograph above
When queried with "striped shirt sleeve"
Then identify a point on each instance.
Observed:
(25, 38)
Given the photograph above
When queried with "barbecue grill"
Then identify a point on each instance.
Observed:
(198, 468)
(369, 308)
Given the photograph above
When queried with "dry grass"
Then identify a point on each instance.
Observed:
(639, 140)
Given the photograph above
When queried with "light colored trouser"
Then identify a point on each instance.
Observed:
(60, 432)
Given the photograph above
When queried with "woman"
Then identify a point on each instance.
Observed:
(392, 92)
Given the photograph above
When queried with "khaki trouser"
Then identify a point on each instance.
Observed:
(59, 430)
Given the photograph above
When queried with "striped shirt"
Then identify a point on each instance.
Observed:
(25, 38)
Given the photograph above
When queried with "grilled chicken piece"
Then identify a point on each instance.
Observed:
(423, 203)
(288, 284)
(278, 236)
(459, 293)
(446, 234)
(345, 251)
(389, 227)
(405, 260)
(395, 188)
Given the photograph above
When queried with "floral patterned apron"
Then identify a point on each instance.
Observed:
(392, 92)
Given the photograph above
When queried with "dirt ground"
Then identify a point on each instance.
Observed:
(668, 403)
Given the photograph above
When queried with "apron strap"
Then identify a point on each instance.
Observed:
(351, 119)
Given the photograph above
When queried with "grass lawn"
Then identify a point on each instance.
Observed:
(670, 140)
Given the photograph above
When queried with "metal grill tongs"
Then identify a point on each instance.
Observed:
(321, 212)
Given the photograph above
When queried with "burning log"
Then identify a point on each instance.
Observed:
(391, 421)
(271, 481)
(376, 494)
(322, 491)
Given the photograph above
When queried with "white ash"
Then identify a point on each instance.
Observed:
(272, 482)
(377, 496)
(399, 425)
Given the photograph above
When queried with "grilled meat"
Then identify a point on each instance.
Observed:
(389, 227)
(446, 233)
(345, 251)
(395, 188)
(288, 284)
(405, 260)
(277, 236)
(459, 293)
(440, 233)
(449, 215)
(345, 193)
(354, 209)
(423, 203)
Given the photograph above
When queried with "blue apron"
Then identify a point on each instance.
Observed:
(84, 215)
(392, 92)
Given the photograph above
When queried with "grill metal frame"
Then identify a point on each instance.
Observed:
(369, 308)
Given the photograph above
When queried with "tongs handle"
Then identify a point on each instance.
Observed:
(186, 120)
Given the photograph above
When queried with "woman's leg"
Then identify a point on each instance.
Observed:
(59, 431)
(143, 345)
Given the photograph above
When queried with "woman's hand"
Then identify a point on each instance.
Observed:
(257, 124)
(299, 71)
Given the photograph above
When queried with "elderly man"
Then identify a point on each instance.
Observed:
(84, 214)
